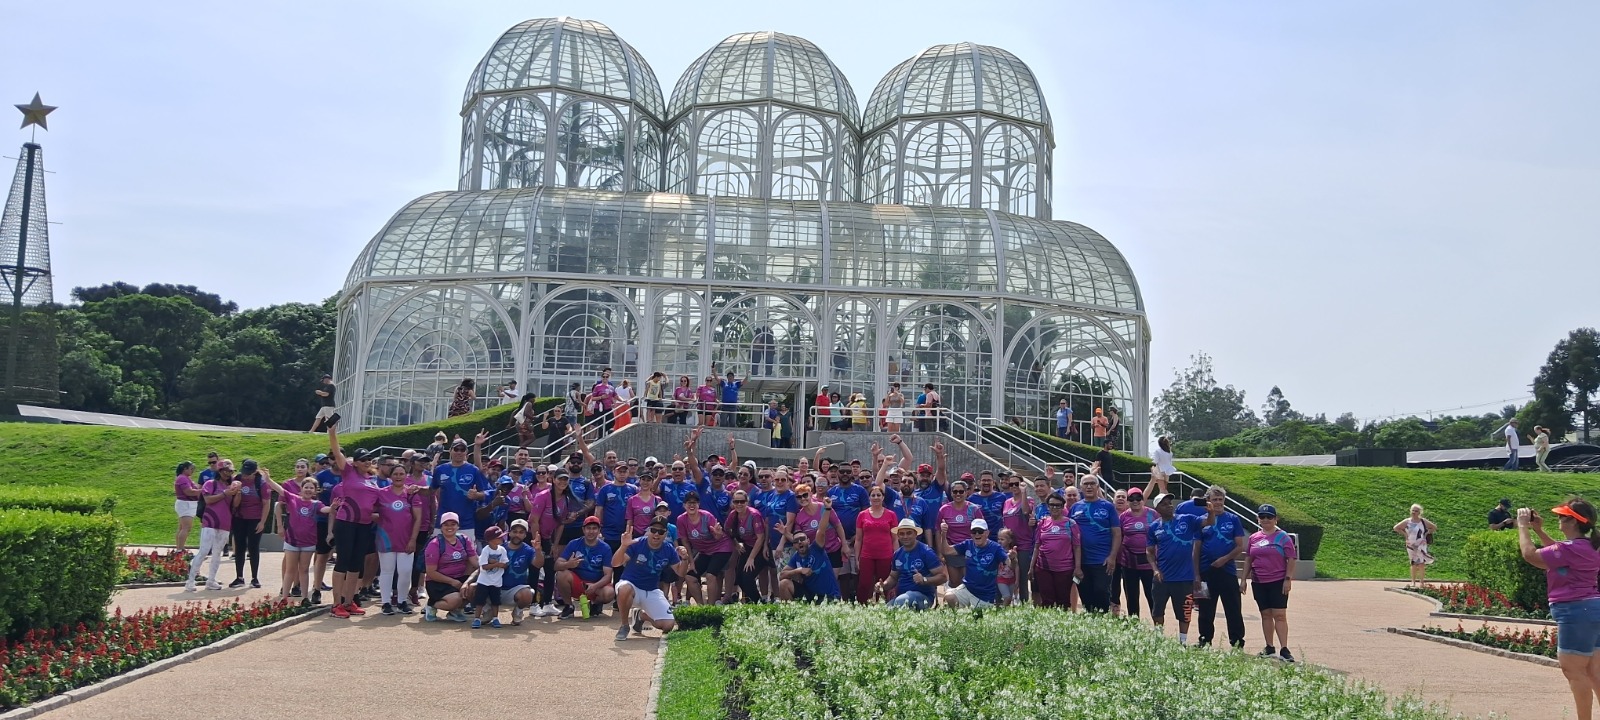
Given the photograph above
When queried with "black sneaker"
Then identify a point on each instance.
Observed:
(1268, 652)
(326, 587)
(295, 592)
(255, 583)
(404, 608)
(1286, 656)
(566, 612)
(388, 609)
(316, 597)
(305, 602)
(470, 608)
(237, 583)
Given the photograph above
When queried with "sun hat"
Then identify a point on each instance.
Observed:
(1569, 512)
(907, 524)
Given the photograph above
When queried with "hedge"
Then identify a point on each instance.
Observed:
(1494, 561)
(58, 569)
(56, 497)
(1290, 518)
(420, 436)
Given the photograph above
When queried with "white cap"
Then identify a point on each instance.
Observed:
(750, 464)
(651, 460)
(907, 524)
(980, 524)
(1161, 498)
(519, 522)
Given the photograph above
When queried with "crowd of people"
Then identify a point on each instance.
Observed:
(461, 538)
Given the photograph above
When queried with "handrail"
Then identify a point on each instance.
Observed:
(1055, 456)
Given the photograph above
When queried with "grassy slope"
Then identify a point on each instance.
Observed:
(1358, 508)
(136, 465)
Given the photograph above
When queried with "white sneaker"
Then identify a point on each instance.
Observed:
(213, 586)
(549, 610)
(189, 587)
(516, 616)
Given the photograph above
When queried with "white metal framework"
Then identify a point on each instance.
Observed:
(556, 258)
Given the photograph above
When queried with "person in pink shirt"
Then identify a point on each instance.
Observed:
(1020, 516)
(1057, 555)
(449, 558)
(1135, 566)
(354, 503)
(709, 550)
(816, 520)
(399, 519)
(186, 504)
(642, 506)
(955, 524)
(1269, 560)
(707, 395)
(220, 494)
(1570, 567)
(874, 543)
(297, 515)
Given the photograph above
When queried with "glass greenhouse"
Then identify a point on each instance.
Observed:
(755, 221)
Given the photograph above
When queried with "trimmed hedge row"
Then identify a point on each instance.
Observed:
(56, 497)
(1290, 518)
(1494, 561)
(56, 569)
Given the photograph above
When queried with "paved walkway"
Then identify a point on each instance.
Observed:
(1341, 624)
(397, 666)
(390, 667)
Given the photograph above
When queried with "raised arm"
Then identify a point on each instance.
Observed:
(907, 463)
(334, 453)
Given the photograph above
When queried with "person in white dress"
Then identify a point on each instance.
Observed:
(1417, 529)
(1163, 469)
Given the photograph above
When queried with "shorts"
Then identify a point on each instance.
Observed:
(1006, 593)
(1269, 596)
(837, 558)
(510, 593)
(913, 599)
(654, 404)
(651, 602)
(710, 564)
(297, 548)
(960, 596)
(186, 508)
(438, 591)
(324, 412)
(1174, 591)
(486, 596)
(1577, 626)
(668, 575)
(351, 541)
(955, 560)
(323, 546)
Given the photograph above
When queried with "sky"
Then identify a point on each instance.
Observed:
(1383, 208)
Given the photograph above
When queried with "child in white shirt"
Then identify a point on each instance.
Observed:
(492, 562)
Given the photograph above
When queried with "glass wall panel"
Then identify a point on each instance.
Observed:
(423, 350)
(578, 332)
(937, 166)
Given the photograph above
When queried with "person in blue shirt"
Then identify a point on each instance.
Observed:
(730, 400)
(458, 486)
(809, 575)
(1195, 506)
(521, 559)
(1063, 419)
(584, 568)
(849, 499)
(1101, 526)
(611, 506)
(640, 586)
(990, 501)
(915, 571)
(1222, 539)
(1174, 552)
(907, 504)
(980, 586)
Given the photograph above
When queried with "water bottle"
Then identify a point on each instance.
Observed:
(583, 606)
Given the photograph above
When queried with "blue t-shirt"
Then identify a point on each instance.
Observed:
(932, 493)
(1095, 520)
(326, 479)
(730, 391)
(848, 502)
(1190, 508)
(595, 559)
(672, 492)
(1063, 417)
(993, 506)
(583, 491)
(775, 505)
(908, 562)
(453, 484)
(716, 501)
(643, 566)
(983, 567)
(519, 566)
(821, 581)
(1174, 543)
(1218, 540)
(613, 500)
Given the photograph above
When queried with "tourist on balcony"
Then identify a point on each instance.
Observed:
(461, 402)
(623, 408)
(895, 403)
(706, 394)
(820, 407)
(729, 391)
(682, 400)
(655, 396)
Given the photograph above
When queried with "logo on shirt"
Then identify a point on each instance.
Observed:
(1138, 525)
(305, 511)
(397, 505)
(455, 555)
(961, 518)
(812, 524)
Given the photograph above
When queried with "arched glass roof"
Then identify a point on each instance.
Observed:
(564, 52)
(960, 77)
(499, 235)
(765, 66)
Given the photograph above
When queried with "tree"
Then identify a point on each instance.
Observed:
(155, 338)
(1565, 388)
(1407, 434)
(1276, 410)
(1195, 407)
(210, 302)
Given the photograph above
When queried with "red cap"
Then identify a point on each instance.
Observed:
(966, 476)
(591, 520)
(924, 468)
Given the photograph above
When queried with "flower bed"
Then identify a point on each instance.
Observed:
(1522, 641)
(45, 663)
(155, 567)
(838, 661)
(1469, 599)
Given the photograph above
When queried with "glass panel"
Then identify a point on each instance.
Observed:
(729, 161)
(764, 336)
(1010, 170)
(422, 352)
(591, 145)
(578, 332)
(938, 165)
(514, 143)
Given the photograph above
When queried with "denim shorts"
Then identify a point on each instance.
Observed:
(1577, 626)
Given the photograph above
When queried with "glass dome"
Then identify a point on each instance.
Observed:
(958, 78)
(564, 52)
(766, 66)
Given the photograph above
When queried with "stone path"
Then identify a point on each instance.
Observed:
(401, 667)
(394, 667)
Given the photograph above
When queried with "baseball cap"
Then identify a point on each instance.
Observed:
(519, 522)
(1266, 511)
(924, 468)
(591, 520)
(1506, 502)
(966, 476)
(907, 524)
(552, 468)
(597, 467)
(449, 517)
(459, 444)
(248, 466)
(1161, 498)
(651, 461)
(362, 454)
(751, 464)
(662, 504)
(980, 524)
(493, 532)
(322, 458)
(1135, 492)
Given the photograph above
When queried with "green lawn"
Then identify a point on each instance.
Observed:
(1358, 507)
(137, 465)
(694, 678)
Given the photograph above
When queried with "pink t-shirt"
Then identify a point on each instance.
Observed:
(396, 526)
(682, 395)
(1571, 569)
(748, 528)
(1136, 538)
(1056, 543)
(641, 510)
(876, 534)
(1269, 555)
(960, 521)
(1017, 518)
(300, 520)
(182, 483)
(696, 529)
(706, 394)
(603, 395)
(360, 499)
(450, 559)
(421, 483)
(548, 522)
(217, 515)
(821, 520)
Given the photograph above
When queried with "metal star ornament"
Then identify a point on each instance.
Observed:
(33, 113)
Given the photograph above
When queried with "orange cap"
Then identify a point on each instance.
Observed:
(1569, 512)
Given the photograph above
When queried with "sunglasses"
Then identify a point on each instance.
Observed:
(1056, 505)
(657, 531)
(740, 502)
(802, 496)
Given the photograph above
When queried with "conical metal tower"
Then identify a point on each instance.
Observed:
(25, 234)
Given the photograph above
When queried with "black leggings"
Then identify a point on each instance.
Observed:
(1132, 579)
(748, 590)
(246, 539)
(1095, 589)
(549, 572)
